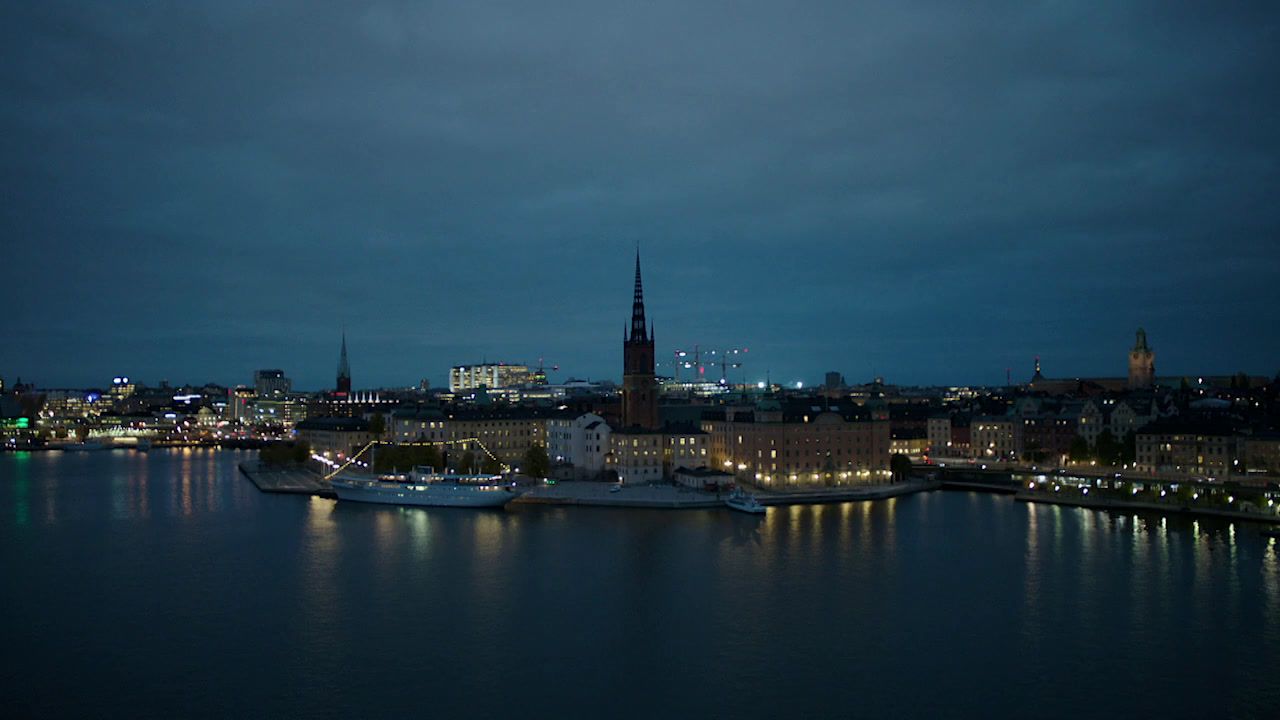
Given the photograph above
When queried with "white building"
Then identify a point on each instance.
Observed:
(582, 442)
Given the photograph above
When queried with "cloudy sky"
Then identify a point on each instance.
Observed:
(928, 191)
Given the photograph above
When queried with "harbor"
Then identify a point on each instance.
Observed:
(302, 480)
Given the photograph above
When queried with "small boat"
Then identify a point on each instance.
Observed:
(423, 486)
(143, 445)
(84, 446)
(743, 501)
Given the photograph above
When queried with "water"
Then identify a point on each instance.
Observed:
(165, 585)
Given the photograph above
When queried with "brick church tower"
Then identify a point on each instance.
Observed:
(639, 386)
(1142, 364)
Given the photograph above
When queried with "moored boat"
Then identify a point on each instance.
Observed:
(424, 487)
(743, 501)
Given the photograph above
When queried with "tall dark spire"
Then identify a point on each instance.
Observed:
(639, 386)
(344, 368)
(638, 329)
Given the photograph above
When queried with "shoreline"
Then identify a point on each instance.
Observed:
(1128, 506)
(597, 494)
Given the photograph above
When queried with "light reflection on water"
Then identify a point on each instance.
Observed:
(816, 608)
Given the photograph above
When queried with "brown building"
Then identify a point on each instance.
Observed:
(1047, 437)
(1189, 447)
(804, 442)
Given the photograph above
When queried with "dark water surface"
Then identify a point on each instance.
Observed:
(165, 585)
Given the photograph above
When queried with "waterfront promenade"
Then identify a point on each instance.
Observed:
(1170, 504)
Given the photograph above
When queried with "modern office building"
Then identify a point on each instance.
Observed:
(492, 376)
(271, 384)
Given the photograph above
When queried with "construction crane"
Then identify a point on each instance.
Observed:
(699, 359)
(540, 375)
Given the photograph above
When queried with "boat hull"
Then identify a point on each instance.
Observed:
(430, 495)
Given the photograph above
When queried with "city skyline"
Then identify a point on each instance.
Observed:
(926, 195)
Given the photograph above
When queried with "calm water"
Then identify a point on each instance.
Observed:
(165, 585)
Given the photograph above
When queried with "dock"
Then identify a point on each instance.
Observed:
(295, 480)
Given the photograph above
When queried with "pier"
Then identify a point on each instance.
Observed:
(294, 480)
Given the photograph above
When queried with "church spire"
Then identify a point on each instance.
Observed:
(638, 329)
(344, 368)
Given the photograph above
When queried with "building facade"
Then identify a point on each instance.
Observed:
(271, 384)
(1178, 447)
(506, 434)
(804, 442)
(581, 442)
(336, 438)
(417, 425)
(995, 437)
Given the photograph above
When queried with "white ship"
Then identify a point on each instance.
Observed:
(423, 486)
(743, 501)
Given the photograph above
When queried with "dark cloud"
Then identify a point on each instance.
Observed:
(932, 191)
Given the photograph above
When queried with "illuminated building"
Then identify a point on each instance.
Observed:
(240, 405)
(492, 376)
(410, 425)
(949, 435)
(121, 388)
(1189, 447)
(505, 433)
(912, 442)
(995, 438)
(802, 442)
(286, 413)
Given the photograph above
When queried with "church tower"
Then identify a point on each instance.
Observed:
(639, 386)
(1142, 364)
(343, 387)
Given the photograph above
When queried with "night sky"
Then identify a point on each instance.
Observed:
(928, 191)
